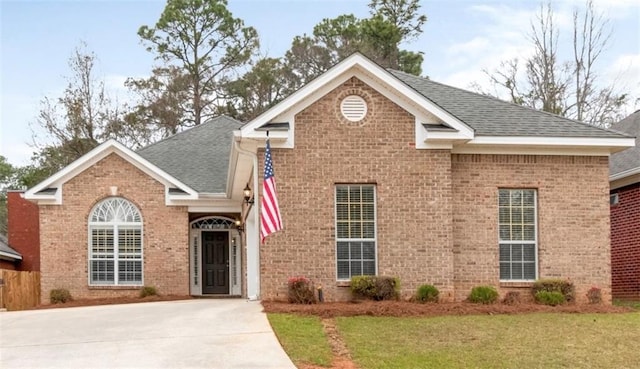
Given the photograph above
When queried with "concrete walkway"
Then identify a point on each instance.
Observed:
(208, 333)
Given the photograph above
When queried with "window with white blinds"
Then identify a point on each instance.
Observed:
(115, 243)
(355, 230)
(518, 234)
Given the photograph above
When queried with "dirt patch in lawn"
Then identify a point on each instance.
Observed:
(111, 301)
(404, 308)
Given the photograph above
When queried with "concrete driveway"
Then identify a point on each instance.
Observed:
(207, 333)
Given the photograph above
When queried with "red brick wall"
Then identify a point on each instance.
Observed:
(413, 197)
(8, 265)
(64, 232)
(436, 212)
(573, 218)
(625, 243)
(24, 230)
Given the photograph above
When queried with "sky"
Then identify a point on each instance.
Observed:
(461, 39)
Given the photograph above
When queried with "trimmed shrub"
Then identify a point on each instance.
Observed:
(594, 295)
(427, 293)
(552, 298)
(511, 298)
(60, 296)
(376, 288)
(483, 295)
(148, 291)
(300, 291)
(565, 287)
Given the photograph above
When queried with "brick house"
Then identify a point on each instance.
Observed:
(378, 172)
(624, 175)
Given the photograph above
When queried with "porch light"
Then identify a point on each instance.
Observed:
(248, 194)
(239, 226)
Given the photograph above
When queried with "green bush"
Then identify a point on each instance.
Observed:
(375, 287)
(148, 291)
(511, 298)
(552, 298)
(300, 291)
(565, 287)
(427, 293)
(60, 296)
(483, 295)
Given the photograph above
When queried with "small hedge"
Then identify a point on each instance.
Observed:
(427, 293)
(564, 287)
(552, 298)
(60, 296)
(148, 291)
(300, 291)
(376, 288)
(483, 295)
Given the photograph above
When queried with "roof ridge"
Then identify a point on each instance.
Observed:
(496, 99)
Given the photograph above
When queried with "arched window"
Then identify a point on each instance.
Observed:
(115, 243)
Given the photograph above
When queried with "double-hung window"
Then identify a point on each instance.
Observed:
(355, 230)
(518, 234)
(115, 243)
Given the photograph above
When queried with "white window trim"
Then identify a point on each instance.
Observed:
(115, 226)
(375, 227)
(534, 242)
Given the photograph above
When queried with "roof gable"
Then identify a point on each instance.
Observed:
(627, 163)
(50, 190)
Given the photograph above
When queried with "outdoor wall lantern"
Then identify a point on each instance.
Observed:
(239, 226)
(248, 195)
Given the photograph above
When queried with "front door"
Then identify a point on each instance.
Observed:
(215, 262)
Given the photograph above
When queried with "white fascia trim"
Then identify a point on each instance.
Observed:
(530, 150)
(92, 157)
(9, 255)
(554, 141)
(369, 73)
(626, 173)
(214, 208)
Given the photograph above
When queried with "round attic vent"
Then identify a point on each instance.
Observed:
(353, 108)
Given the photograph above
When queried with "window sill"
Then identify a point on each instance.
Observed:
(519, 284)
(343, 283)
(107, 287)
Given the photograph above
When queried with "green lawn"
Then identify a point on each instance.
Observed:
(497, 341)
(302, 338)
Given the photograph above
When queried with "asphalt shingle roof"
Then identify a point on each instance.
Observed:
(489, 116)
(198, 157)
(5, 248)
(630, 158)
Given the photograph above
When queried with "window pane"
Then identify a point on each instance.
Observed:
(505, 232)
(342, 194)
(369, 250)
(529, 233)
(102, 241)
(528, 215)
(130, 272)
(102, 271)
(516, 198)
(354, 194)
(505, 252)
(343, 229)
(343, 270)
(356, 267)
(516, 232)
(356, 250)
(503, 198)
(504, 215)
(516, 270)
(528, 198)
(529, 253)
(529, 271)
(342, 211)
(505, 270)
(354, 212)
(343, 251)
(367, 194)
(368, 230)
(368, 212)
(369, 267)
(355, 230)
(516, 252)
(516, 216)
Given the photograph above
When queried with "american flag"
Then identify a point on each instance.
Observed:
(270, 220)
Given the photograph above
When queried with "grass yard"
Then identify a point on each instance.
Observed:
(302, 338)
(547, 340)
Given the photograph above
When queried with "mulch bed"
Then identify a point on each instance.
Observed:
(405, 308)
(112, 301)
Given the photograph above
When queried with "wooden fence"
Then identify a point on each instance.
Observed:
(19, 290)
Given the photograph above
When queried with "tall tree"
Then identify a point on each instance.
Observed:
(391, 23)
(568, 88)
(202, 38)
(79, 120)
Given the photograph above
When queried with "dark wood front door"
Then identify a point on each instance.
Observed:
(215, 262)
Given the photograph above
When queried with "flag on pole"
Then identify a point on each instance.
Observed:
(270, 220)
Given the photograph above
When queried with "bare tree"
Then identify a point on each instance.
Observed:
(570, 88)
